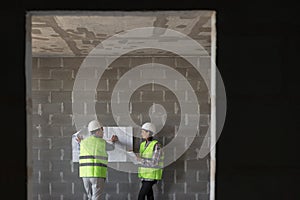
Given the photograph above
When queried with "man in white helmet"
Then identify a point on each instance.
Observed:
(151, 161)
(93, 160)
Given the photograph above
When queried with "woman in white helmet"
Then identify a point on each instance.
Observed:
(151, 161)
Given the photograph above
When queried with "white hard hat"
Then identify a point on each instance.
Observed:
(94, 125)
(149, 127)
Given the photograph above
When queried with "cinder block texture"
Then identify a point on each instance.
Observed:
(56, 177)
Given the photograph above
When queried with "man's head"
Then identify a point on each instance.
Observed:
(148, 130)
(95, 128)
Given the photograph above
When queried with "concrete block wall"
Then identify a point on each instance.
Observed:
(56, 177)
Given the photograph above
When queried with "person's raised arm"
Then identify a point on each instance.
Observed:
(110, 144)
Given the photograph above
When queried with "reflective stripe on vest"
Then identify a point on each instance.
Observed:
(154, 172)
(93, 157)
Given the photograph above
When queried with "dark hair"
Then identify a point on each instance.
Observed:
(151, 134)
(150, 138)
(94, 131)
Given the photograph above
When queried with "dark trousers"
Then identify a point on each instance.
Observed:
(146, 190)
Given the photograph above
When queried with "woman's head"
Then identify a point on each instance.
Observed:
(148, 130)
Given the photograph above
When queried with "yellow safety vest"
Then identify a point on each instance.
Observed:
(93, 157)
(154, 173)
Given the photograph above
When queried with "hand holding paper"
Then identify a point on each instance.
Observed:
(133, 157)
